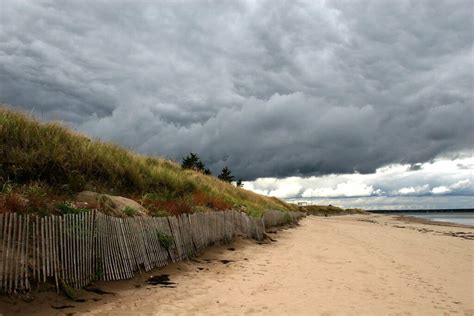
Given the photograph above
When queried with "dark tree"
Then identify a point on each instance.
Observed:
(192, 161)
(226, 175)
(239, 183)
(199, 165)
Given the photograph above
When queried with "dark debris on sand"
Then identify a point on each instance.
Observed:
(161, 280)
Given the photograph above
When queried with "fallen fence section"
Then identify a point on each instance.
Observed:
(75, 249)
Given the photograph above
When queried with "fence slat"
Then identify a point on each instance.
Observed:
(2, 239)
(70, 240)
(83, 249)
(119, 250)
(3, 262)
(12, 265)
(54, 243)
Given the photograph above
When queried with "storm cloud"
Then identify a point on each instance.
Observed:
(269, 88)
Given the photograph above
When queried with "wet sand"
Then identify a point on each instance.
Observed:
(357, 265)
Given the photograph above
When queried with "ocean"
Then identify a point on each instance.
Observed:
(458, 217)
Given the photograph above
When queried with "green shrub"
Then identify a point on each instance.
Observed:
(165, 240)
(99, 272)
(69, 208)
(129, 211)
(7, 187)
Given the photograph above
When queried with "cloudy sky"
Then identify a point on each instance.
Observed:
(360, 102)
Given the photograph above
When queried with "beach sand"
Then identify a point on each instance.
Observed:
(344, 265)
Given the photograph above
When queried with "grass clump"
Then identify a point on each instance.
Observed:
(69, 208)
(166, 241)
(129, 211)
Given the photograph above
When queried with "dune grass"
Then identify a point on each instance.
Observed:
(59, 161)
(327, 210)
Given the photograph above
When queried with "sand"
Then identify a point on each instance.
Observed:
(345, 265)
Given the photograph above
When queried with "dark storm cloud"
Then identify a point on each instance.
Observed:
(272, 88)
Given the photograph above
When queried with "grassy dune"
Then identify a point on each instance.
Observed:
(48, 164)
(327, 210)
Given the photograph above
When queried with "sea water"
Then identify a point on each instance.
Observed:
(466, 218)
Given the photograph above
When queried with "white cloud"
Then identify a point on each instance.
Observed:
(441, 190)
(414, 190)
(409, 190)
(287, 191)
(250, 186)
(460, 185)
(463, 184)
(442, 177)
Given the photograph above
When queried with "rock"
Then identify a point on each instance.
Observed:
(111, 204)
(121, 203)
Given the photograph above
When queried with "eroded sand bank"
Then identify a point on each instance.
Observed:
(359, 265)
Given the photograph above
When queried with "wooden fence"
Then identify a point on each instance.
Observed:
(75, 249)
(273, 218)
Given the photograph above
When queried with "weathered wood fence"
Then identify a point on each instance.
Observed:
(273, 218)
(75, 249)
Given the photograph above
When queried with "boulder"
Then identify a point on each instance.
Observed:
(111, 204)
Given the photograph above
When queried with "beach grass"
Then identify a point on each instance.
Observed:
(43, 160)
(327, 210)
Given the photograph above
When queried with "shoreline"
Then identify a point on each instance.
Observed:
(359, 264)
(413, 219)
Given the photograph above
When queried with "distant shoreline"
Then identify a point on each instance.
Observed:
(449, 210)
(412, 219)
(440, 217)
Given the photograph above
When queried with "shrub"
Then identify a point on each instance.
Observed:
(13, 202)
(129, 211)
(99, 272)
(226, 175)
(167, 203)
(69, 208)
(166, 241)
(207, 200)
(7, 187)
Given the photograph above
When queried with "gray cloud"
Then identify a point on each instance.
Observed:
(277, 88)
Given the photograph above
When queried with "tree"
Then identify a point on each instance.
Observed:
(192, 161)
(226, 175)
(239, 183)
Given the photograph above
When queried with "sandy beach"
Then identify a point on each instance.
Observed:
(344, 265)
